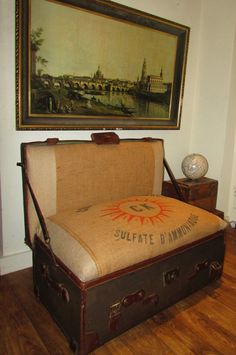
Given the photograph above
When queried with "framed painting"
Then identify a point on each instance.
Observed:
(97, 65)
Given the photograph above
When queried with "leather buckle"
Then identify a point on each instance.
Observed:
(215, 270)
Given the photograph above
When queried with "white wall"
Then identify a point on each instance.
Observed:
(195, 112)
(229, 160)
(212, 130)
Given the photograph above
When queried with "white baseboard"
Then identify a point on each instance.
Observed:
(15, 262)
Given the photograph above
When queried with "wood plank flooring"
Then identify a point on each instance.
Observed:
(203, 323)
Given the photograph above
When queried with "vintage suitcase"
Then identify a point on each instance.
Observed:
(108, 250)
(201, 192)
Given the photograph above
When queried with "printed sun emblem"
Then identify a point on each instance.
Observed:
(147, 210)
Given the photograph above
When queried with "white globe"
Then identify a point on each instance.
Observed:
(194, 166)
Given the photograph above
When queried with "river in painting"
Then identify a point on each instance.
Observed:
(127, 104)
(96, 103)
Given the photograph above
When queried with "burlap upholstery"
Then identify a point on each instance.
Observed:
(74, 175)
(103, 208)
(124, 232)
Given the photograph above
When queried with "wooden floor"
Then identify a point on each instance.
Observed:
(204, 323)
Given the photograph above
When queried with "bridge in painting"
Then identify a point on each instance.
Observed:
(84, 83)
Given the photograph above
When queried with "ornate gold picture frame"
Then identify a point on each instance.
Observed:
(97, 65)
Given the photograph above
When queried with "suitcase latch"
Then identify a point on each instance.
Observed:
(170, 276)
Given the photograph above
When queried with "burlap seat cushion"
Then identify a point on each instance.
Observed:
(96, 240)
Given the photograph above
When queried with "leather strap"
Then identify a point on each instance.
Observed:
(38, 211)
(174, 182)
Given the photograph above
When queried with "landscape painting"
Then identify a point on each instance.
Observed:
(97, 65)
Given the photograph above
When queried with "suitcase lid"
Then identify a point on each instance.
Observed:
(66, 174)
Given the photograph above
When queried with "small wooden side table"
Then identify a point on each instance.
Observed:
(201, 192)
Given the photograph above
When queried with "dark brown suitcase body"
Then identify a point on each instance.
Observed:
(90, 313)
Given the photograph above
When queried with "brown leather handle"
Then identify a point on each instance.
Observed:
(134, 297)
(52, 141)
(105, 138)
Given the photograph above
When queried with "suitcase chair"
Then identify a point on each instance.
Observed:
(101, 232)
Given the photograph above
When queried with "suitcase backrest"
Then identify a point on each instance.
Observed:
(77, 174)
